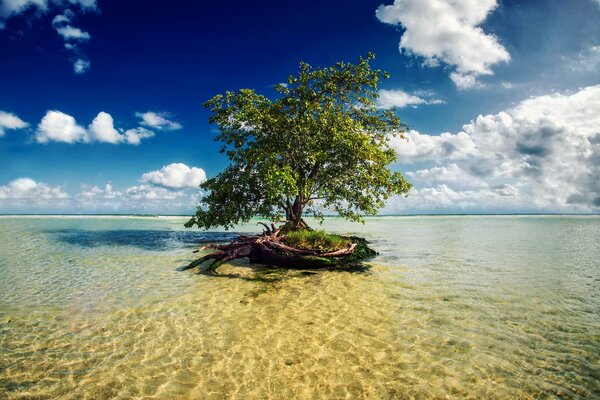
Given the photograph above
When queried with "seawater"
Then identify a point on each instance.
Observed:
(497, 307)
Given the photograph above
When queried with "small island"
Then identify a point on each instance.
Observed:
(321, 146)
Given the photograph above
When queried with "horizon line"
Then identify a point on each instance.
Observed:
(324, 216)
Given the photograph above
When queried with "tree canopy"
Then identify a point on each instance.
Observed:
(321, 144)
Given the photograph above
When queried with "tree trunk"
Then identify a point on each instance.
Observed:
(293, 213)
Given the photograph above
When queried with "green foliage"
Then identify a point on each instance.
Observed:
(361, 252)
(320, 145)
(316, 240)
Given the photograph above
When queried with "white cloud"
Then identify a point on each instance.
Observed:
(168, 188)
(60, 127)
(448, 31)
(465, 81)
(85, 4)
(57, 126)
(149, 192)
(102, 129)
(9, 8)
(541, 155)
(443, 198)
(81, 66)
(10, 121)
(587, 60)
(94, 199)
(72, 33)
(62, 24)
(89, 193)
(399, 98)
(175, 176)
(422, 147)
(137, 198)
(158, 121)
(450, 174)
(135, 136)
(27, 195)
(25, 188)
(62, 19)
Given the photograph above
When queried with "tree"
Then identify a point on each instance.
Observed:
(320, 145)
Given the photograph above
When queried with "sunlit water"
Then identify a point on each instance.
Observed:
(454, 307)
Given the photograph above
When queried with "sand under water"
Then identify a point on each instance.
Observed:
(454, 307)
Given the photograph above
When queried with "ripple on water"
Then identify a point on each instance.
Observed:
(118, 321)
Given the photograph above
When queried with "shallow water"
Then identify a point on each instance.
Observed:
(454, 307)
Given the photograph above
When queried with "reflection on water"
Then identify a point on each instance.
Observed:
(145, 239)
(455, 307)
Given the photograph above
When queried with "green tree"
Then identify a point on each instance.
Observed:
(320, 145)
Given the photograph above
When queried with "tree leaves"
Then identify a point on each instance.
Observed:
(321, 141)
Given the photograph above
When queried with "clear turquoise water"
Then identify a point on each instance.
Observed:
(454, 307)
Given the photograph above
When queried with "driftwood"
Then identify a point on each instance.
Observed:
(269, 249)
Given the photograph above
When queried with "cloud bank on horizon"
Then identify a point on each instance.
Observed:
(168, 188)
(541, 155)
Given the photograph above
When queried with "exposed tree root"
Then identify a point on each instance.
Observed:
(269, 249)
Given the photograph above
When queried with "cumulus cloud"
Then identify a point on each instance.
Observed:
(102, 129)
(10, 121)
(62, 24)
(399, 98)
(175, 176)
(443, 198)
(168, 188)
(72, 35)
(89, 193)
(541, 155)
(465, 80)
(26, 188)
(172, 189)
(149, 192)
(158, 121)
(450, 174)
(10, 8)
(57, 126)
(135, 136)
(422, 147)
(85, 4)
(81, 66)
(448, 31)
(137, 198)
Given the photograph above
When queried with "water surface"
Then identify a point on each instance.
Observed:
(454, 307)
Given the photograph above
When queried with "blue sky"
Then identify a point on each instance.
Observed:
(101, 101)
